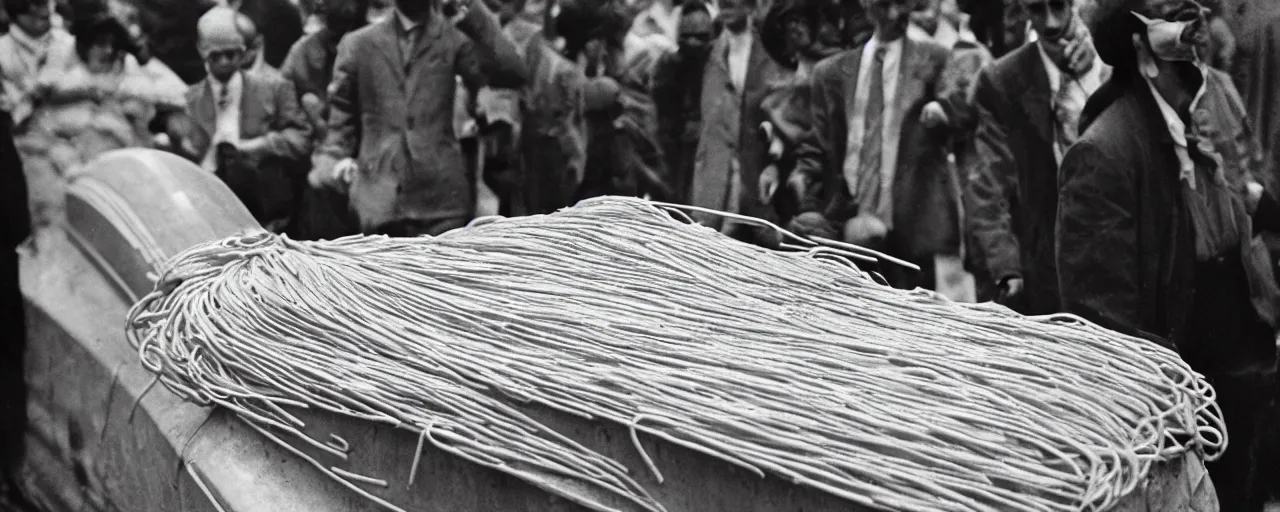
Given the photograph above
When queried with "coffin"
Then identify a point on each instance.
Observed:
(103, 438)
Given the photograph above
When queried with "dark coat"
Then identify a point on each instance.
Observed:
(1013, 189)
(926, 206)
(1258, 78)
(268, 184)
(730, 131)
(677, 93)
(1126, 252)
(323, 213)
(378, 97)
(16, 223)
(309, 64)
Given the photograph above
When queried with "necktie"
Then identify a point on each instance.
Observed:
(1066, 110)
(224, 97)
(869, 177)
(410, 42)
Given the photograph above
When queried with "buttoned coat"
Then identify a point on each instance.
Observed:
(729, 135)
(269, 110)
(381, 101)
(925, 198)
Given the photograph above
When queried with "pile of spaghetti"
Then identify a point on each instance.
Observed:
(790, 364)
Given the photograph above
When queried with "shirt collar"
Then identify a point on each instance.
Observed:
(233, 85)
(1177, 127)
(890, 47)
(406, 22)
(30, 42)
(1092, 79)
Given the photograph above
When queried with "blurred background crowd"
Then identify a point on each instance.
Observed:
(973, 139)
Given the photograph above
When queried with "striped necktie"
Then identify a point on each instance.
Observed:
(1067, 105)
(409, 43)
(869, 159)
(224, 96)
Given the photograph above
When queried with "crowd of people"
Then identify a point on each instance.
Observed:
(1095, 157)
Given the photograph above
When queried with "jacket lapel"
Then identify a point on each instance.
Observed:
(757, 66)
(911, 85)
(851, 82)
(251, 108)
(386, 37)
(431, 30)
(204, 115)
(1035, 97)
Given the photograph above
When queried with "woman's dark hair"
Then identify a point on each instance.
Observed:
(100, 27)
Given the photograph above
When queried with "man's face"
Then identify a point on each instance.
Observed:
(415, 9)
(1178, 65)
(926, 15)
(695, 32)
(890, 17)
(735, 14)
(1049, 18)
(343, 15)
(35, 22)
(224, 62)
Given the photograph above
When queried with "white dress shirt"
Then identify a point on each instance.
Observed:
(1080, 90)
(892, 121)
(1178, 130)
(227, 124)
(739, 58)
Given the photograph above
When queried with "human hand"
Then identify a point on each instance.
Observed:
(811, 224)
(934, 115)
(769, 181)
(1254, 196)
(251, 148)
(799, 184)
(314, 108)
(344, 172)
(1080, 53)
(865, 230)
(1010, 289)
(322, 166)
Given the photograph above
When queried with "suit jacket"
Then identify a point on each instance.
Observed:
(730, 132)
(677, 93)
(1012, 190)
(1126, 253)
(926, 207)
(268, 110)
(378, 97)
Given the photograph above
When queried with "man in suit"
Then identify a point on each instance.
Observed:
(730, 158)
(394, 89)
(323, 212)
(873, 169)
(248, 127)
(1028, 103)
(1156, 221)
(15, 225)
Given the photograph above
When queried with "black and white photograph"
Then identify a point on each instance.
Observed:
(639, 256)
